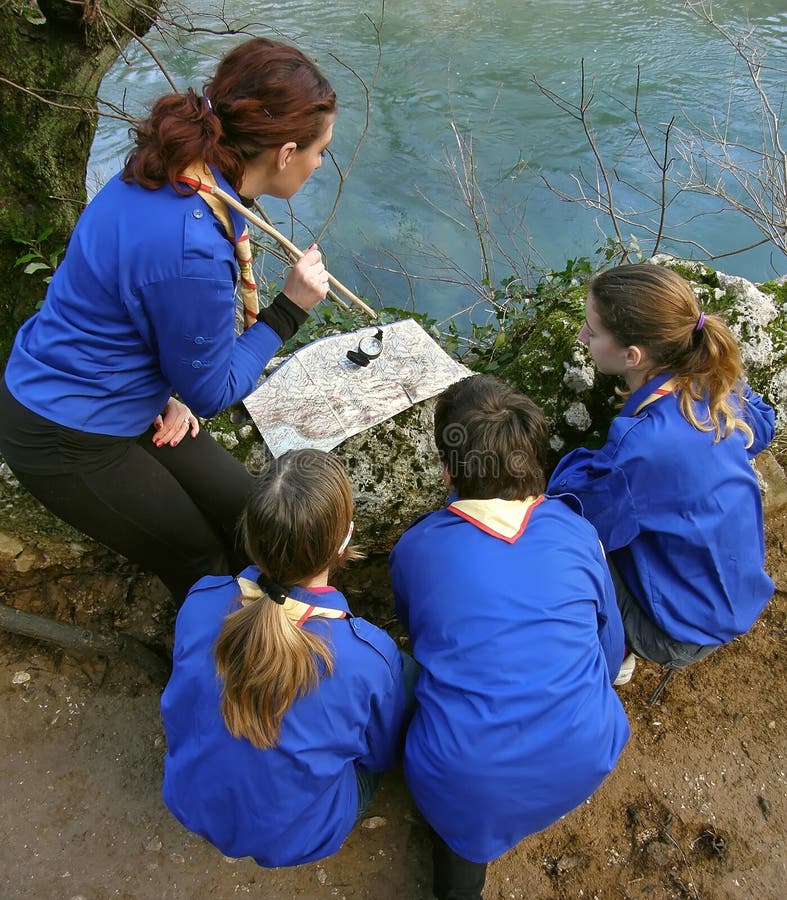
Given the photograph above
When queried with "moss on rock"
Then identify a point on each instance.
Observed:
(555, 370)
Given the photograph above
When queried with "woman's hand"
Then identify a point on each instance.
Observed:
(174, 423)
(307, 282)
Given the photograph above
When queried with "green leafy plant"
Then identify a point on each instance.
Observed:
(516, 309)
(36, 259)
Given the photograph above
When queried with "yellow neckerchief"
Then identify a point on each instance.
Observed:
(296, 610)
(505, 519)
(667, 388)
(198, 175)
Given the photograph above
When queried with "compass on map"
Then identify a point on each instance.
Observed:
(318, 397)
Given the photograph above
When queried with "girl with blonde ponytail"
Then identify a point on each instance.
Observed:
(282, 708)
(672, 494)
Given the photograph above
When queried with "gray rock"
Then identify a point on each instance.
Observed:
(49, 568)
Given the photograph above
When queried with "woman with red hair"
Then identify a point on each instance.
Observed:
(136, 337)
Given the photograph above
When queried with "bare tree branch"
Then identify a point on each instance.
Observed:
(751, 180)
(601, 196)
(367, 93)
(141, 41)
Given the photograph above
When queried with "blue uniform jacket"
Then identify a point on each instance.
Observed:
(679, 515)
(296, 802)
(516, 719)
(142, 305)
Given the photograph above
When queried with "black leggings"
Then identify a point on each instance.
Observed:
(172, 510)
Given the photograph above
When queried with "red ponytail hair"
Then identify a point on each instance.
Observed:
(264, 93)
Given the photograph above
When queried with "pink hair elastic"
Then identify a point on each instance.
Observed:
(700, 322)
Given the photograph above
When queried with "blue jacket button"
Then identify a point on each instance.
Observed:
(197, 213)
(196, 364)
(199, 340)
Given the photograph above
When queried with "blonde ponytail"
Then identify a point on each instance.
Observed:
(295, 526)
(712, 370)
(266, 663)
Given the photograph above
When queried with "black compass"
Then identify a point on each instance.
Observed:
(369, 348)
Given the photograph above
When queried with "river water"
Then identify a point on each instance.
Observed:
(470, 65)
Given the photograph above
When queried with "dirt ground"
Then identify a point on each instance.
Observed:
(695, 809)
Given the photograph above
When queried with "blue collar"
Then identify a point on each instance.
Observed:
(643, 392)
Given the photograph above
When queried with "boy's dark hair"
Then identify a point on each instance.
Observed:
(492, 439)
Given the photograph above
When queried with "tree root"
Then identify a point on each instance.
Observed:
(75, 637)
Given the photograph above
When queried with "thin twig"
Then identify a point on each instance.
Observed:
(146, 46)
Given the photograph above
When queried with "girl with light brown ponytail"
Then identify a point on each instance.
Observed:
(283, 708)
(672, 494)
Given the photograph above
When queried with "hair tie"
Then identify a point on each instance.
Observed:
(273, 589)
(700, 322)
(206, 98)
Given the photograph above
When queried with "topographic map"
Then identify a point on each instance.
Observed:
(318, 398)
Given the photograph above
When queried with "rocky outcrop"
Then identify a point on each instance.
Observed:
(48, 568)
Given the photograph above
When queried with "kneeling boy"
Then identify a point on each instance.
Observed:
(512, 617)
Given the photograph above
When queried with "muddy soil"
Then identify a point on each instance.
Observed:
(695, 809)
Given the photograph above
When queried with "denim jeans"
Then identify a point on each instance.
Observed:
(645, 639)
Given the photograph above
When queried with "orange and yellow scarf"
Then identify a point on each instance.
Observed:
(198, 175)
(296, 610)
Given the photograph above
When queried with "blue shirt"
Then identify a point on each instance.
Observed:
(679, 514)
(142, 305)
(516, 718)
(295, 802)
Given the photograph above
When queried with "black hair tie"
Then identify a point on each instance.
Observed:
(273, 589)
